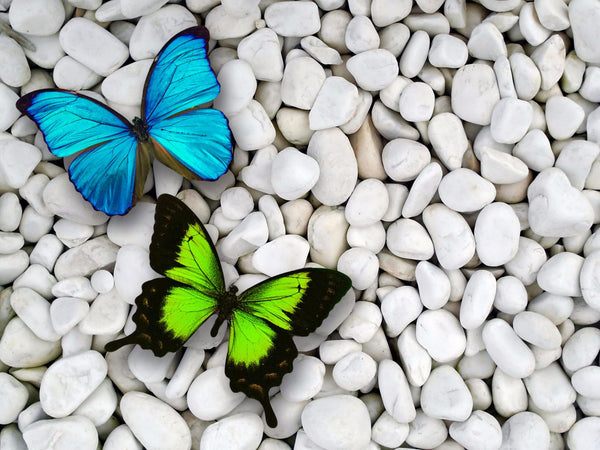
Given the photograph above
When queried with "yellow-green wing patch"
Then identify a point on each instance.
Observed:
(167, 314)
(181, 248)
(296, 301)
(259, 355)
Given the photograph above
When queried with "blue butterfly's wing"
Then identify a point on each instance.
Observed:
(195, 142)
(112, 167)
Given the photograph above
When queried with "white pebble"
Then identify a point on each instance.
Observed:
(563, 117)
(463, 190)
(154, 30)
(354, 371)
(107, 314)
(486, 42)
(361, 265)
(417, 102)
(404, 159)
(41, 18)
(8, 111)
(434, 285)
(335, 104)
(283, 254)
(415, 359)
(507, 350)
(511, 296)
(395, 392)
(549, 58)
(373, 70)
(319, 50)
(534, 150)
(121, 437)
(251, 127)
(69, 381)
(481, 430)
(238, 87)
(293, 173)
(362, 323)
(19, 347)
(496, 234)
(224, 25)
(585, 382)
(550, 388)
(537, 330)
(478, 299)
(62, 199)
(210, 397)
(448, 51)
(69, 432)
(361, 35)
(14, 69)
(154, 423)
(13, 397)
(510, 120)
(126, 85)
(407, 238)
(422, 190)
(400, 307)
(304, 381)
(34, 310)
(388, 432)
(583, 433)
(236, 203)
(10, 212)
(302, 80)
(102, 281)
(320, 420)
(293, 19)
(560, 274)
(448, 139)
(414, 54)
(474, 93)
(66, 312)
(243, 431)
(440, 333)
(445, 395)
(337, 163)
(17, 161)
(451, 235)
(261, 50)
(92, 46)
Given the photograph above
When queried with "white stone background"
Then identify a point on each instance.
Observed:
(443, 154)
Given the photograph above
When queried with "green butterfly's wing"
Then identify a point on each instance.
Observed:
(167, 314)
(170, 309)
(296, 301)
(181, 248)
(259, 355)
(261, 349)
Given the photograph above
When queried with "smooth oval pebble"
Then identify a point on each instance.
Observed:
(478, 299)
(550, 389)
(497, 232)
(583, 434)
(37, 17)
(465, 191)
(403, 159)
(367, 204)
(69, 381)
(525, 430)
(69, 432)
(240, 431)
(13, 398)
(407, 238)
(210, 397)
(354, 371)
(537, 330)
(440, 333)
(507, 350)
(337, 163)
(154, 423)
(561, 273)
(304, 381)
(19, 347)
(481, 430)
(320, 420)
(445, 395)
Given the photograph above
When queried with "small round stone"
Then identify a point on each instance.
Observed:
(320, 420)
(102, 281)
(354, 371)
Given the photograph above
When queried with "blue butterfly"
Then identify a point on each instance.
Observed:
(114, 155)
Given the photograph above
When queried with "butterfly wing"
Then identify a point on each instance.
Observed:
(182, 250)
(296, 301)
(170, 309)
(261, 349)
(111, 170)
(195, 142)
(258, 357)
(167, 315)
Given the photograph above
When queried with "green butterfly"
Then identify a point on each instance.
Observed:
(262, 319)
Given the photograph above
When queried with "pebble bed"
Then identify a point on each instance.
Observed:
(443, 154)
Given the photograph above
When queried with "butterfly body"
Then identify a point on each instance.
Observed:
(113, 155)
(262, 319)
